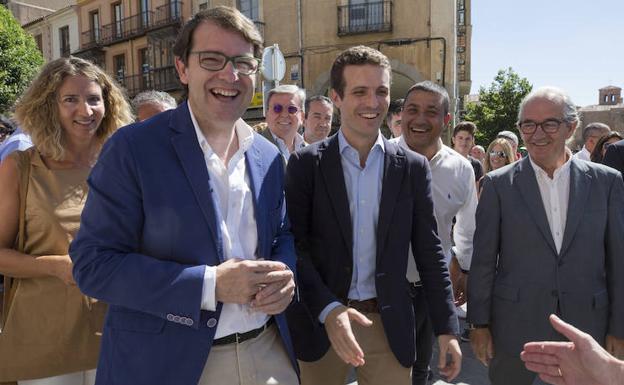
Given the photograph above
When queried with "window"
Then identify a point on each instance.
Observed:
(119, 66)
(39, 42)
(94, 21)
(248, 8)
(203, 6)
(64, 41)
(144, 12)
(117, 13)
(144, 68)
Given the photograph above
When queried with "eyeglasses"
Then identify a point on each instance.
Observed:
(278, 108)
(216, 61)
(500, 154)
(550, 126)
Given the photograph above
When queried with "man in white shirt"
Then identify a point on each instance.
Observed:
(425, 114)
(548, 240)
(184, 232)
(284, 116)
(591, 134)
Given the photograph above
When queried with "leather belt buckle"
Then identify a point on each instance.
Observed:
(242, 337)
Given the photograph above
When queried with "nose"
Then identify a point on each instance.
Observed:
(84, 108)
(229, 73)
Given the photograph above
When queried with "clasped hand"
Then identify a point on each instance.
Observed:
(267, 286)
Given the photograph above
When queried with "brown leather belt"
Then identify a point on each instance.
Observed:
(366, 306)
(242, 337)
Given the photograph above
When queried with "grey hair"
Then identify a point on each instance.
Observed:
(555, 95)
(289, 89)
(597, 127)
(154, 97)
(429, 86)
(509, 135)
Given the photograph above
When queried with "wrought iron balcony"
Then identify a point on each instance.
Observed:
(126, 28)
(90, 39)
(260, 26)
(160, 79)
(168, 14)
(365, 18)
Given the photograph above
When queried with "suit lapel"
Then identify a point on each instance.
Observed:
(580, 185)
(256, 171)
(394, 169)
(186, 146)
(331, 169)
(526, 183)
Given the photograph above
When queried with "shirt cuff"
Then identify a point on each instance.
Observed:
(209, 290)
(326, 311)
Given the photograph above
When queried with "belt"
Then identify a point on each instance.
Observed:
(366, 306)
(416, 284)
(242, 337)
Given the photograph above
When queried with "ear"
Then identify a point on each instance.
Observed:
(447, 118)
(571, 128)
(181, 68)
(335, 98)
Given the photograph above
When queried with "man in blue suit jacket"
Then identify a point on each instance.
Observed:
(356, 201)
(184, 231)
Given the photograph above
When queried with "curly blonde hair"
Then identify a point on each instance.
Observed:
(37, 110)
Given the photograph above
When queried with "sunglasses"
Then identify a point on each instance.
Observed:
(500, 154)
(278, 108)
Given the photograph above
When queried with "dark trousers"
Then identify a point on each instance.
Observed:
(424, 337)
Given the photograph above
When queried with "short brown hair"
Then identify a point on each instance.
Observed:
(358, 55)
(37, 111)
(225, 17)
(469, 127)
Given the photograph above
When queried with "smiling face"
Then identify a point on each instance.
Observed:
(80, 107)
(496, 160)
(546, 150)
(365, 100)
(318, 123)
(423, 120)
(217, 97)
(284, 124)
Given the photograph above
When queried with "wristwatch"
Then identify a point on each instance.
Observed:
(477, 326)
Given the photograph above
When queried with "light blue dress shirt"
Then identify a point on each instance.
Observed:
(363, 185)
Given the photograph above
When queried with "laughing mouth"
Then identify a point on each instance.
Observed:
(369, 115)
(224, 93)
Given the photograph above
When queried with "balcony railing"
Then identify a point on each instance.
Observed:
(168, 14)
(160, 79)
(132, 26)
(260, 26)
(365, 18)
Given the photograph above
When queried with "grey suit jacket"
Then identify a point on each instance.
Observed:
(517, 278)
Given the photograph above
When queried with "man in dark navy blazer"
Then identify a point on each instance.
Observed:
(355, 202)
(614, 156)
(184, 232)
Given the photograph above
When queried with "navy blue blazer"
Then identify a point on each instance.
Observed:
(614, 157)
(318, 208)
(148, 228)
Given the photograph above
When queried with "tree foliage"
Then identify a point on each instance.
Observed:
(19, 59)
(497, 108)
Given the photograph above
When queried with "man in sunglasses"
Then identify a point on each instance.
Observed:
(184, 232)
(284, 116)
(548, 240)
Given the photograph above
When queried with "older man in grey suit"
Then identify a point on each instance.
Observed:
(548, 240)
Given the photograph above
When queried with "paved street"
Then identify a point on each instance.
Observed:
(472, 373)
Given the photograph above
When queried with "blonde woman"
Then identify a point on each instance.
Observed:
(51, 331)
(499, 153)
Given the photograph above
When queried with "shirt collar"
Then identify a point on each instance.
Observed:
(560, 172)
(244, 133)
(343, 144)
(299, 142)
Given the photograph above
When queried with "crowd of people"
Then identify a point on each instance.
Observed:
(166, 244)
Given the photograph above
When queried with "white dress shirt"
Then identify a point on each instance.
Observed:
(454, 195)
(555, 194)
(584, 154)
(236, 217)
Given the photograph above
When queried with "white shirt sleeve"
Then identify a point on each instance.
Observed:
(325, 312)
(464, 229)
(209, 290)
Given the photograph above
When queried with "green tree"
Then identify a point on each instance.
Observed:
(497, 108)
(19, 59)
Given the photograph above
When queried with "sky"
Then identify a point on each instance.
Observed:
(577, 45)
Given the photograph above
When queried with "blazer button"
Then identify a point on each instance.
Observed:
(176, 318)
(188, 322)
(169, 317)
(211, 323)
